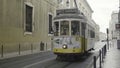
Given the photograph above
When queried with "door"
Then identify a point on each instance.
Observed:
(83, 39)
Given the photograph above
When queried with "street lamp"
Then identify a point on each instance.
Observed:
(107, 31)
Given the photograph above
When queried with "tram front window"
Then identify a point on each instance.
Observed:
(56, 29)
(64, 27)
(75, 29)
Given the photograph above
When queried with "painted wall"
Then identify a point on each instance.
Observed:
(12, 24)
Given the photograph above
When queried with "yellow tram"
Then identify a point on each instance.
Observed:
(73, 36)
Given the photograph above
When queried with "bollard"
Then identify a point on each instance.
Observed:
(40, 47)
(2, 51)
(94, 61)
(46, 46)
(102, 53)
(105, 50)
(100, 59)
(31, 48)
(19, 49)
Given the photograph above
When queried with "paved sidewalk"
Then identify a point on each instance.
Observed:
(98, 45)
(22, 53)
(112, 58)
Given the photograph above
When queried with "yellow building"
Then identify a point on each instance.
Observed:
(24, 24)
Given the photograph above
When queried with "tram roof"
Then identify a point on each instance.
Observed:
(68, 14)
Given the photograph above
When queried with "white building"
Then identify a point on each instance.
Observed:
(113, 33)
(82, 5)
(102, 36)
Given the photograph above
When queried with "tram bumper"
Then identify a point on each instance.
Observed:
(66, 51)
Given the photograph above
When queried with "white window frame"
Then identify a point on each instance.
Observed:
(31, 5)
(68, 6)
(49, 13)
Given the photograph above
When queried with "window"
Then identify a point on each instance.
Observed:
(64, 27)
(83, 27)
(29, 18)
(88, 33)
(117, 26)
(56, 28)
(59, 1)
(92, 34)
(75, 28)
(50, 24)
(67, 3)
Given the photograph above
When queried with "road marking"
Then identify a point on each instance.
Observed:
(27, 66)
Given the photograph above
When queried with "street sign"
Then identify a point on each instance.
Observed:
(117, 26)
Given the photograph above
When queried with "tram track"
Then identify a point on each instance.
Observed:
(62, 64)
(53, 63)
(49, 63)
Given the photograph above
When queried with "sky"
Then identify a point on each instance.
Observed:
(102, 11)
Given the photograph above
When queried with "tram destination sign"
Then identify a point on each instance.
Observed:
(67, 11)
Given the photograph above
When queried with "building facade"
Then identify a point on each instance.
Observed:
(25, 24)
(102, 36)
(82, 5)
(113, 32)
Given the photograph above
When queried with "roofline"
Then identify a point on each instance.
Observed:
(89, 5)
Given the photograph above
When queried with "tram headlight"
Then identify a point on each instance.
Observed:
(64, 46)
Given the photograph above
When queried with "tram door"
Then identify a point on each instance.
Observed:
(83, 40)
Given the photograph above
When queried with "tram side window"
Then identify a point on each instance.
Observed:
(64, 28)
(56, 30)
(92, 34)
(83, 27)
(75, 28)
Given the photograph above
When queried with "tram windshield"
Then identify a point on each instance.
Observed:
(75, 28)
(64, 28)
